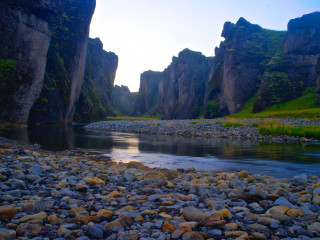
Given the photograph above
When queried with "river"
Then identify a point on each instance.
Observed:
(279, 160)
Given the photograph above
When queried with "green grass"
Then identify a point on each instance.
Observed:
(129, 118)
(277, 128)
(302, 107)
(232, 123)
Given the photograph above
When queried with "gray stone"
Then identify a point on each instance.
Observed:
(93, 231)
(6, 234)
(283, 202)
(36, 169)
(300, 180)
(314, 227)
(69, 193)
(193, 214)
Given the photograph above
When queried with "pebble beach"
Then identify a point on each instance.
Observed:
(208, 128)
(76, 195)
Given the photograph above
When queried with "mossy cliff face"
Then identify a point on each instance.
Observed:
(66, 61)
(123, 100)
(293, 68)
(182, 86)
(148, 93)
(318, 81)
(95, 98)
(237, 68)
(25, 36)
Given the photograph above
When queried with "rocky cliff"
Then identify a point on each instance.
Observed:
(238, 66)
(25, 35)
(65, 66)
(318, 82)
(95, 98)
(123, 100)
(182, 86)
(148, 93)
(293, 68)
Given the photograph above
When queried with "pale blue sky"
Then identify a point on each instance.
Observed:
(145, 34)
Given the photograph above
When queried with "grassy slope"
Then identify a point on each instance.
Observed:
(303, 107)
(129, 118)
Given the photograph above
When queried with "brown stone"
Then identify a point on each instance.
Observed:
(34, 230)
(172, 174)
(148, 212)
(213, 223)
(105, 213)
(243, 174)
(62, 184)
(95, 181)
(295, 212)
(236, 234)
(144, 168)
(192, 236)
(119, 167)
(115, 194)
(153, 175)
(276, 210)
(54, 220)
(7, 212)
(231, 226)
(124, 209)
(113, 226)
(84, 220)
(134, 164)
(11, 225)
(167, 227)
(38, 216)
(259, 236)
(77, 210)
(226, 213)
(178, 233)
(124, 221)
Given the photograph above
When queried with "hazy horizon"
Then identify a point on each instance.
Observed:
(147, 34)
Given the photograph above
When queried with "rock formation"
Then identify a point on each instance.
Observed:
(318, 82)
(148, 93)
(95, 98)
(293, 68)
(25, 37)
(182, 86)
(123, 100)
(237, 68)
(66, 61)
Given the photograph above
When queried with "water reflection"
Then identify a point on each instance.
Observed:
(167, 151)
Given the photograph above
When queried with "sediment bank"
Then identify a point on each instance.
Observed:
(209, 128)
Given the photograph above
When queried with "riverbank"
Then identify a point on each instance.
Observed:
(209, 128)
(73, 195)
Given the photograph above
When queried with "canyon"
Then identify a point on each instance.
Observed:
(53, 73)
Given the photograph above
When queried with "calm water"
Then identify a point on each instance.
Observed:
(279, 160)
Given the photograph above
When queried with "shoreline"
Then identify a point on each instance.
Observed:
(72, 195)
(207, 128)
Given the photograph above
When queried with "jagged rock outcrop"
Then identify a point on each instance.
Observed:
(148, 93)
(66, 61)
(238, 66)
(182, 86)
(292, 69)
(318, 82)
(123, 100)
(95, 98)
(25, 35)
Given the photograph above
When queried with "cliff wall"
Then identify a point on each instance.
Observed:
(65, 67)
(95, 98)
